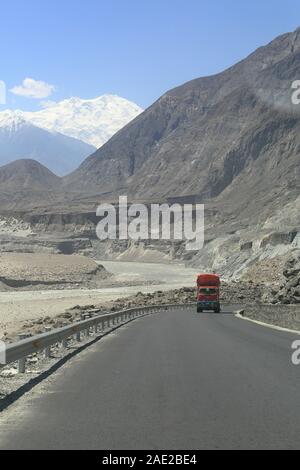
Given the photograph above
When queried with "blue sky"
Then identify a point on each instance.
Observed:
(136, 49)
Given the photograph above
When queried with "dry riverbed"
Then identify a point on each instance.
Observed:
(24, 310)
(29, 271)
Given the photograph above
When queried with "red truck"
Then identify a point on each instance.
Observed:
(208, 293)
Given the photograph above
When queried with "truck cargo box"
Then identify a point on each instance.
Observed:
(208, 280)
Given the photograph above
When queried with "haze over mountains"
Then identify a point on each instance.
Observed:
(20, 139)
(63, 134)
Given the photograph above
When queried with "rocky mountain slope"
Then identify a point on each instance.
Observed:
(21, 139)
(27, 174)
(232, 138)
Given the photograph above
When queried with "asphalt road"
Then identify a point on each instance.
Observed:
(175, 380)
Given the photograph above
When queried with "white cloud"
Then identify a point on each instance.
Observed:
(31, 88)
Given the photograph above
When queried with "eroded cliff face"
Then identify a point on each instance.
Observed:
(230, 249)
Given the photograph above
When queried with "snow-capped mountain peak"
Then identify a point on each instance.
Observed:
(11, 121)
(63, 134)
(93, 121)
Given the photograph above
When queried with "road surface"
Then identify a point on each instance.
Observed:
(175, 380)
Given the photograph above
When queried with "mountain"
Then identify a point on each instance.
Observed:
(27, 175)
(93, 121)
(232, 139)
(63, 134)
(21, 139)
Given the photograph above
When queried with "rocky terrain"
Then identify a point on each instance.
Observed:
(288, 291)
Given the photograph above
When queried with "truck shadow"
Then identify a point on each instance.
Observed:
(223, 312)
(226, 310)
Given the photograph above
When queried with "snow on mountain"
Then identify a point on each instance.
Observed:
(11, 121)
(63, 134)
(93, 121)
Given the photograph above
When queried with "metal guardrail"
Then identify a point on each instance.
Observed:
(20, 350)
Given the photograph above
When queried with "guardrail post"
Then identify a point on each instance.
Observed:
(65, 343)
(78, 337)
(22, 361)
(22, 365)
(87, 331)
(48, 349)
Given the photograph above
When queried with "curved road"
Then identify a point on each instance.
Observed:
(176, 380)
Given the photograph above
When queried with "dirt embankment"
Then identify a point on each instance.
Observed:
(32, 271)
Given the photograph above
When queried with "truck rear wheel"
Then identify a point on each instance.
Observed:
(199, 310)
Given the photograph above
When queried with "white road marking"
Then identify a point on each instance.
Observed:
(268, 325)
